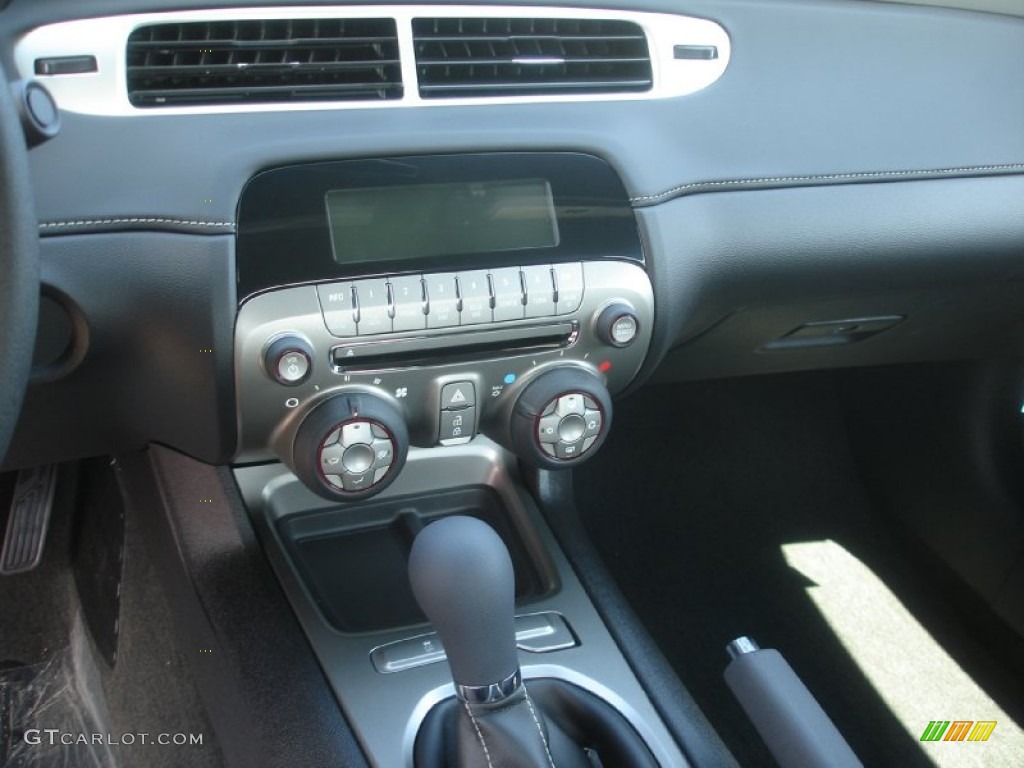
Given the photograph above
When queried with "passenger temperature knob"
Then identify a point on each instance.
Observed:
(560, 418)
(351, 446)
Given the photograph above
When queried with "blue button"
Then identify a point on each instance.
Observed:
(509, 378)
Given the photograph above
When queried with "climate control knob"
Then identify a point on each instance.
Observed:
(560, 418)
(350, 446)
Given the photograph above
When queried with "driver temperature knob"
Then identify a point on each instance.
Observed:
(351, 446)
(561, 418)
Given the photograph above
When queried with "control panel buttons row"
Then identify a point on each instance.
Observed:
(447, 300)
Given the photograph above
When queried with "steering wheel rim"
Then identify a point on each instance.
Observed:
(19, 266)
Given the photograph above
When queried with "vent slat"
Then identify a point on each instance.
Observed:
(525, 61)
(476, 57)
(204, 70)
(254, 61)
(599, 86)
(513, 38)
(305, 42)
(178, 96)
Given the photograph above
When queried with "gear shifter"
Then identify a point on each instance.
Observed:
(462, 577)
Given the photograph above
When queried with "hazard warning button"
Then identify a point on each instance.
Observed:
(458, 394)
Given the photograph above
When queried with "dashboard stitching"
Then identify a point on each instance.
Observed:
(824, 177)
(136, 220)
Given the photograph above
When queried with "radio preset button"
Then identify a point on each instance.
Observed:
(508, 294)
(442, 301)
(569, 285)
(372, 307)
(407, 294)
(475, 293)
(540, 291)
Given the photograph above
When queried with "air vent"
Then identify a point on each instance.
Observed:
(256, 61)
(463, 57)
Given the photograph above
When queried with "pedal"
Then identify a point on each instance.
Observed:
(29, 519)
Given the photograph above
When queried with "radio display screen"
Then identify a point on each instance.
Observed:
(391, 223)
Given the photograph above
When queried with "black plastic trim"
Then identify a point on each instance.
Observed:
(154, 345)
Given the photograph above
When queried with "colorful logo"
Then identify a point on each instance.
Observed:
(958, 730)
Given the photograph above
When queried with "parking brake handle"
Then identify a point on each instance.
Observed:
(793, 725)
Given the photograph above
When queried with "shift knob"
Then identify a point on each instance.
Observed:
(461, 575)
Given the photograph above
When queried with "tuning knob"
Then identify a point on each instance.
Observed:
(617, 325)
(560, 418)
(351, 446)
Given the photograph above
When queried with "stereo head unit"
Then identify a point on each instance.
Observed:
(418, 302)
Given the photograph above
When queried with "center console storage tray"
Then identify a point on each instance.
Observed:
(352, 558)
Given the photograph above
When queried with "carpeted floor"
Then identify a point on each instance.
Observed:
(734, 508)
(57, 678)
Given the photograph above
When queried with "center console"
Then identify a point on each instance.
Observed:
(411, 333)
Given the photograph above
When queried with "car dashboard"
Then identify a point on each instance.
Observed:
(466, 230)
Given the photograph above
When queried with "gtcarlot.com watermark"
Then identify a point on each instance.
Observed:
(54, 736)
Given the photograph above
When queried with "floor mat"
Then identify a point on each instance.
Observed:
(53, 714)
(727, 509)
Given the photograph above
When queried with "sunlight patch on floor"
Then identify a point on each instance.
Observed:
(910, 671)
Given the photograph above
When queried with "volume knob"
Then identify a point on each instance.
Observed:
(288, 360)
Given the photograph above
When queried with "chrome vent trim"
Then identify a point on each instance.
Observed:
(106, 91)
(495, 56)
(263, 60)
